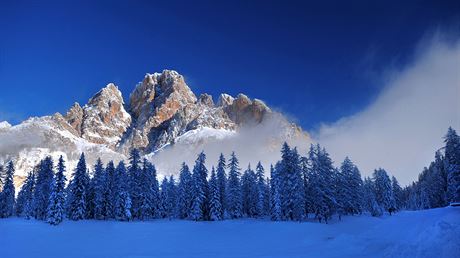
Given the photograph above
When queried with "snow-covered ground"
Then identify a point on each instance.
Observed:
(430, 233)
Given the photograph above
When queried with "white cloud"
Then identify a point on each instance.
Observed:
(403, 128)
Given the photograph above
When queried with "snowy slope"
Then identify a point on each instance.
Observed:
(430, 233)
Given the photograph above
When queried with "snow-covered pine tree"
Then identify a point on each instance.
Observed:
(397, 192)
(135, 183)
(99, 183)
(234, 198)
(222, 182)
(146, 199)
(275, 199)
(78, 191)
(154, 188)
(267, 198)
(383, 191)
(25, 195)
(249, 192)
(261, 188)
(342, 193)
(163, 210)
(109, 193)
(56, 209)
(185, 193)
(8, 193)
(356, 186)
(452, 155)
(306, 170)
(122, 209)
(215, 207)
(349, 187)
(43, 188)
(322, 181)
(172, 197)
(369, 200)
(200, 209)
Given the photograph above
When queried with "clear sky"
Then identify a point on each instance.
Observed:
(316, 62)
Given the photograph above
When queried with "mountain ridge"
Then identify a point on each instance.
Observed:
(161, 110)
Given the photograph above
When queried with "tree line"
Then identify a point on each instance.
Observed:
(298, 187)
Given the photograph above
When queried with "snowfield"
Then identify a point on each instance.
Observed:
(428, 233)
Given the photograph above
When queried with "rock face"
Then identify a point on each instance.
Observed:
(103, 120)
(161, 109)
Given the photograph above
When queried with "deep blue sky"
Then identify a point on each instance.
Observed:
(316, 62)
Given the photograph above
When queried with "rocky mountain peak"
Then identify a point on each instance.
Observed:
(206, 100)
(224, 100)
(75, 118)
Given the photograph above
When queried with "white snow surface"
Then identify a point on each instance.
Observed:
(429, 233)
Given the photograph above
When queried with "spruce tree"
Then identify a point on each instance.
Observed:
(215, 207)
(56, 209)
(7, 195)
(234, 198)
(322, 181)
(185, 192)
(122, 209)
(222, 182)
(163, 211)
(99, 182)
(397, 192)
(261, 190)
(78, 191)
(275, 211)
(200, 209)
(383, 190)
(25, 197)
(109, 193)
(249, 192)
(43, 188)
(369, 198)
(452, 154)
(135, 183)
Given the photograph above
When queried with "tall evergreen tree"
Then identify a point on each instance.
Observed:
(383, 190)
(249, 192)
(350, 187)
(43, 188)
(122, 209)
(56, 209)
(135, 183)
(261, 190)
(275, 211)
(322, 181)
(200, 209)
(7, 195)
(215, 207)
(150, 199)
(234, 199)
(185, 193)
(397, 192)
(222, 182)
(24, 203)
(452, 154)
(109, 193)
(99, 183)
(78, 191)
(369, 199)
(164, 198)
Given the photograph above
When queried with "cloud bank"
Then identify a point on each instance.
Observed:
(403, 128)
(251, 144)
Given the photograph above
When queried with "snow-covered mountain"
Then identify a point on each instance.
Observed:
(162, 113)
